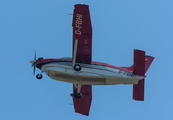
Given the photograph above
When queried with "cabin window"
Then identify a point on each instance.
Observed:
(67, 59)
(104, 65)
(96, 64)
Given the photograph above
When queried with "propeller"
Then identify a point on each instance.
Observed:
(34, 63)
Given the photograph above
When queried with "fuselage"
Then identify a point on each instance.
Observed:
(95, 73)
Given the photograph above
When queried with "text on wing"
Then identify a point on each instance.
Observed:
(78, 24)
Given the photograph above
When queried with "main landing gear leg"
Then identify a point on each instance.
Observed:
(78, 94)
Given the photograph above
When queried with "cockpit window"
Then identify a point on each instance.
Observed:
(40, 58)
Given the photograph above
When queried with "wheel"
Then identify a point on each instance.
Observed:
(77, 67)
(39, 76)
(77, 95)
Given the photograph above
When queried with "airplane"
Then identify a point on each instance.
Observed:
(82, 72)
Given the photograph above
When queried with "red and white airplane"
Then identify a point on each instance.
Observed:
(82, 72)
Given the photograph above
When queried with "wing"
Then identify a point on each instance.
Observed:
(82, 105)
(82, 31)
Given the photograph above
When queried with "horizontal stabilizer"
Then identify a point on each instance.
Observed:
(138, 90)
(140, 67)
(139, 62)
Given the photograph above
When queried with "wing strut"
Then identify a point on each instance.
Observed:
(78, 88)
(74, 53)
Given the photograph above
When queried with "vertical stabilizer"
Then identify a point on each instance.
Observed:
(148, 61)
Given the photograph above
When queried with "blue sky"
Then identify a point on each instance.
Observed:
(118, 28)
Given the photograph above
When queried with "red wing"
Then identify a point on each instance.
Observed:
(82, 30)
(82, 105)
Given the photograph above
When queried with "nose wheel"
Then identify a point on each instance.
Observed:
(39, 76)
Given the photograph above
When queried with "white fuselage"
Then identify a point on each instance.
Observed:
(90, 74)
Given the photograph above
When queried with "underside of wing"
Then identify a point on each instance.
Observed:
(82, 105)
(82, 31)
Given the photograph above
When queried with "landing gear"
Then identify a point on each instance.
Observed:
(77, 95)
(77, 67)
(39, 76)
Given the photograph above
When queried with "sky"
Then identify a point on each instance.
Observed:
(118, 28)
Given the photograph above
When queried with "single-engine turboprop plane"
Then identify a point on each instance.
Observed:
(82, 72)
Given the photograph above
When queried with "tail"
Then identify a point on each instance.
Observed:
(140, 67)
(148, 61)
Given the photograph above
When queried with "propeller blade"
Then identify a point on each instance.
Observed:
(35, 56)
(34, 70)
(34, 63)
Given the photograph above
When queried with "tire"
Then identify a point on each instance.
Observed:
(39, 76)
(77, 67)
(77, 95)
